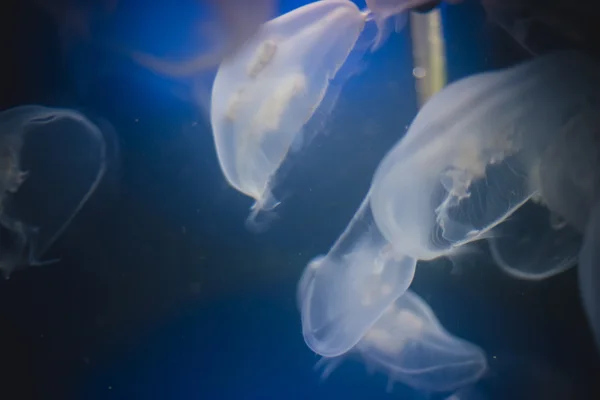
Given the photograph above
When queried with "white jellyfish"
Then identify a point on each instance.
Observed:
(343, 293)
(52, 161)
(470, 158)
(409, 344)
(266, 93)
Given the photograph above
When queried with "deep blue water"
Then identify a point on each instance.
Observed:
(161, 292)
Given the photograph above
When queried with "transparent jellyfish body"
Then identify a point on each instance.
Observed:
(470, 158)
(534, 243)
(52, 161)
(264, 95)
(343, 293)
(409, 344)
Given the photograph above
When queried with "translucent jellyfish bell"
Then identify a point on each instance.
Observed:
(266, 93)
(409, 344)
(467, 160)
(52, 160)
(534, 243)
(342, 294)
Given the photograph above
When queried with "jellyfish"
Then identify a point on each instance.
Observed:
(470, 157)
(342, 294)
(51, 162)
(483, 148)
(262, 97)
(409, 344)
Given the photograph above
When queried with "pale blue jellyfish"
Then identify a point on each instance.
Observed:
(409, 344)
(52, 161)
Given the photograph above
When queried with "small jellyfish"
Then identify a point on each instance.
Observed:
(469, 159)
(51, 162)
(342, 294)
(534, 243)
(409, 344)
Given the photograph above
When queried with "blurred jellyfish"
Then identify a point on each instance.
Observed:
(534, 243)
(233, 22)
(51, 161)
(589, 272)
(470, 158)
(409, 344)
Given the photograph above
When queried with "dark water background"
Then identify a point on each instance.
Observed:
(161, 292)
